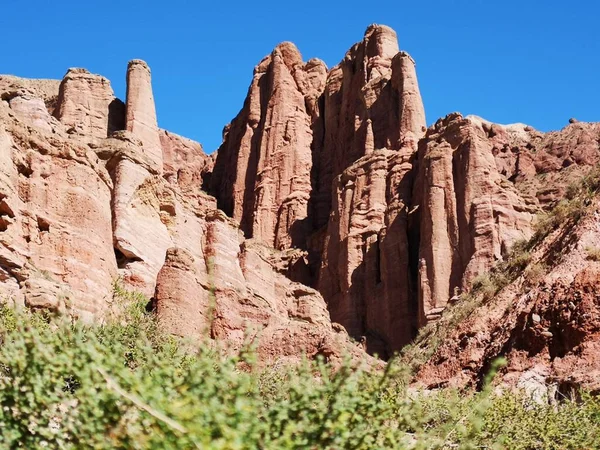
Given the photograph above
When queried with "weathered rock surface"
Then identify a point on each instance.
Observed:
(371, 101)
(184, 162)
(469, 214)
(55, 222)
(262, 175)
(80, 209)
(301, 126)
(88, 106)
(140, 116)
(329, 178)
(365, 270)
(46, 90)
(233, 294)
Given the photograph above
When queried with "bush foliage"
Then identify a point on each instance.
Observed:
(124, 384)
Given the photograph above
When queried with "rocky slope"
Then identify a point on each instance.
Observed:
(326, 178)
(545, 321)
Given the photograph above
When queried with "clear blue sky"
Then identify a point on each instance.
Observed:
(528, 61)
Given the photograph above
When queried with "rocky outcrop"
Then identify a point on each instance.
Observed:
(56, 238)
(469, 214)
(87, 105)
(546, 322)
(45, 90)
(184, 162)
(301, 126)
(262, 176)
(371, 101)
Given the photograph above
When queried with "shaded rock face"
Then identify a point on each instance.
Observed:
(301, 126)
(88, 106)
(371, 101)
(80, 208)
(365, 270)
(262, 175)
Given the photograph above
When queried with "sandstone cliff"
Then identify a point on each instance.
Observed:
(397, 222)
(326, 177)
(262, 175)
(98, 192)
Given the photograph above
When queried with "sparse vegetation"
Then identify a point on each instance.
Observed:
(593, 253)
(486, 286)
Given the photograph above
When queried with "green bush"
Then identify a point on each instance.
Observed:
(125, 384)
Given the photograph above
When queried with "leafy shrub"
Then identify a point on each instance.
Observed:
(125, 384)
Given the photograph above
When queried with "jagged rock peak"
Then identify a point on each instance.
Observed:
(262, 175)
(380, 40)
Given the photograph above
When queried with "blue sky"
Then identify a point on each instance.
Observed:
(536, 62)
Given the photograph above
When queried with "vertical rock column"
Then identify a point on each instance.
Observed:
(411, 112)
(140, 116)
(140, 237)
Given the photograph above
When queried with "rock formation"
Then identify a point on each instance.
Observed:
(325, 177)
(262, 175)
(80, 209)
(546, 322)
(365, 269)
(371, 101)
(87, 105)
(470, 215)
(140, 116)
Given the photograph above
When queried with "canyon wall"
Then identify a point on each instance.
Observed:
(396, 221)
(84, 205)
(328, 207)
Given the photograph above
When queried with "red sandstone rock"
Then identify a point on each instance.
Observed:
(365, 274)
(469, 214)
(56, 240)
(548, 326)
(372, 95)
(47, 90)
(262, 174)
(62, 247)
(88, 106)
(140, 116)
(184, 162)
